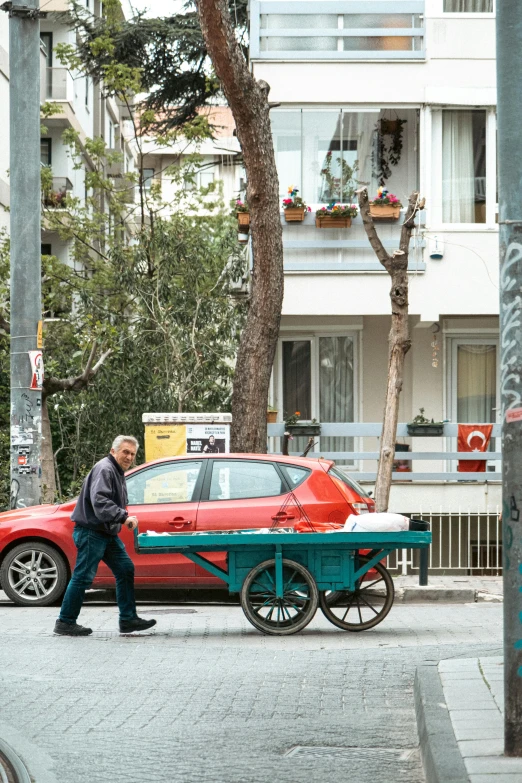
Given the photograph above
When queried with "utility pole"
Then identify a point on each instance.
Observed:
(26, 357)
(509, 79)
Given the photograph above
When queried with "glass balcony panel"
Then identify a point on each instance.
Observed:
(286, 131)
(391, 44)
(361, 21)
(296, 22)
(322, 156)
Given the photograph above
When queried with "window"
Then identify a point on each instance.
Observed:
(349, 482)
(318, 380)
(241, 479)
(87, 91)
(46, 146)
(110, 134)
(476, 382)
(294, 474)
(47, 40)
(206, 178)
(464, 166)
(329, 154)
(148, 177)
(297, 378)
(468, 6)
(166, 483)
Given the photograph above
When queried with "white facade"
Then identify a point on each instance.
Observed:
(82, 108)
(337, 70)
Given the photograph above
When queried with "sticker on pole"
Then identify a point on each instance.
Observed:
(514, 414)
(37, 370)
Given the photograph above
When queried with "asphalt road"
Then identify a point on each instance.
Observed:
(207, 698)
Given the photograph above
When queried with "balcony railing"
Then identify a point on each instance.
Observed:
(337, 30)
(370, 429)
(57, 85)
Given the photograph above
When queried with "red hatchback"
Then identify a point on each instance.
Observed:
(183, 494)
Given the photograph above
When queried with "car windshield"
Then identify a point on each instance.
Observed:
(349, 482)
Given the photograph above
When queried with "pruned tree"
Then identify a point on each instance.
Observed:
(248, 100)
(399, 341)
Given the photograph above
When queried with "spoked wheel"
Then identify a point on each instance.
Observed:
(363, 607)
(279, 616)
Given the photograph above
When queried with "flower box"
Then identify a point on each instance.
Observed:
(243, 218)
(303, 429)
(294, 214)
(384, 212)
(271, 417)
(430, 429)
(333, 222)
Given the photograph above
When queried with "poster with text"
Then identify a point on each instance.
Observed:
(208, 438)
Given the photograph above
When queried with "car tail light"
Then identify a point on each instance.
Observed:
(360, 508)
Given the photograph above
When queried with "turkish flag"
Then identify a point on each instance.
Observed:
(473, 437)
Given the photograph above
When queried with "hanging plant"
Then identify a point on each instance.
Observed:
(388, 147)
(331, 188)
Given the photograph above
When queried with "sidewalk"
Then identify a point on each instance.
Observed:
(460, 718)
(449, 589)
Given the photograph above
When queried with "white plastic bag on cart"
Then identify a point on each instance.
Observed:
(384, 522)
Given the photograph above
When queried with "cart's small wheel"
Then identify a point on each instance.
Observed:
(363, 607)
(279, 616)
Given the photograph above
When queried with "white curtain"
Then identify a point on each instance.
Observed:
(476, 383)
(336, 383)
(468, 6)
(458, 171)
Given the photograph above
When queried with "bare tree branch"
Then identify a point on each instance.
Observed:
(371, 231)
(52, 385)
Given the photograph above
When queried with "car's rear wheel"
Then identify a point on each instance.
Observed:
(33, 574)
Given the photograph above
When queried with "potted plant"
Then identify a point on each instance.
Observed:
(242, 212)
(344, 185)
(271, 415)
(294, 207)
(388, 147)
(385, 206)
(423, 426)
(296, 426)
(335, 216)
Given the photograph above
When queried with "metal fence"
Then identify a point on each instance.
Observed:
(463, 542)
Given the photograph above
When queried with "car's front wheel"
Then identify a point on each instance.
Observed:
(33, 574)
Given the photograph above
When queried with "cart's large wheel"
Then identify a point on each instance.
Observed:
(279, 616)
(363, 607)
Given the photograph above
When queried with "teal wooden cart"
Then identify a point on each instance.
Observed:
(282, 577)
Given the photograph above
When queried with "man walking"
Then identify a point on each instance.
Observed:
(98, 516)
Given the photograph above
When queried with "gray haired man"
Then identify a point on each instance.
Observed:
(99, 515)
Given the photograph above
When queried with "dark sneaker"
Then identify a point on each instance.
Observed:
(68, 629)
(136, 624)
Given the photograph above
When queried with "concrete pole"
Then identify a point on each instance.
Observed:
(509, 79)
(26, 401)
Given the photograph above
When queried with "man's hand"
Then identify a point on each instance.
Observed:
(131, 523)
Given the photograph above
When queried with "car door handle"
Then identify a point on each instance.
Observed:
(180, 521)
(283, 516)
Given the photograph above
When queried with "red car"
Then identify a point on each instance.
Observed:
(224, 492)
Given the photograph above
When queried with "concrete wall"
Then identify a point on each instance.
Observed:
(4, 103)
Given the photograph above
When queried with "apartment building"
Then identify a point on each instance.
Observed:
(82, 107)
(400, 93)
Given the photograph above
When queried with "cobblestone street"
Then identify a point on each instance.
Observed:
(207, 698)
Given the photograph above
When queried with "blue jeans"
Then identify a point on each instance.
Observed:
(93, 547)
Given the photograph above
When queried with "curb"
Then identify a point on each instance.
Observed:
(440, 755)
(462, 595)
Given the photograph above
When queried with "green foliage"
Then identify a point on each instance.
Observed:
(165, 58)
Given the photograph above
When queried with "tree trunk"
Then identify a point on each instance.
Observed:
(248, 101)
(399, 341)
(47, 455)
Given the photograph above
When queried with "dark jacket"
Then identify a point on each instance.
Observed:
(103, 499)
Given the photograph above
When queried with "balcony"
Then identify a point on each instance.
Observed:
(338, 30)
(55, 197)
(328, 154)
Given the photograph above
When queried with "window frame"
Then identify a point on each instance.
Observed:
(48, 142)
(486, 337)
(436, 148)
(196, 494)
(205, 490)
